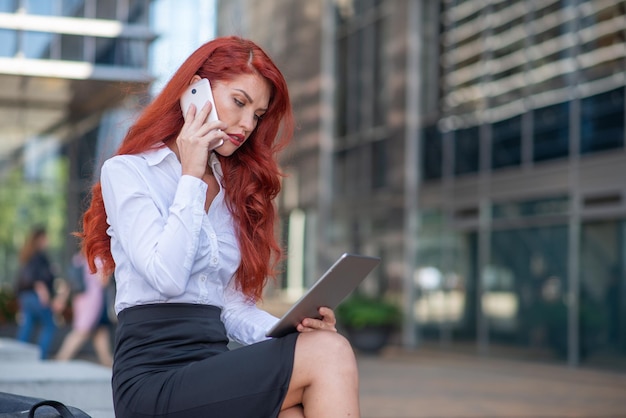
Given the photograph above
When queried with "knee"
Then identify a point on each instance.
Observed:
(337, 343)
(330, 348)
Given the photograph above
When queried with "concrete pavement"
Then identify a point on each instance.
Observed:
(427, 383)
(434, 384)
(79, 383)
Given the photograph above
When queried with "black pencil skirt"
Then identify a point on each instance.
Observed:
(172, 360)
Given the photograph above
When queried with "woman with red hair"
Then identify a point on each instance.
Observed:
(184, 218)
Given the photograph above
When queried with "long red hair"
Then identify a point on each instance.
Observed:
(251, 175)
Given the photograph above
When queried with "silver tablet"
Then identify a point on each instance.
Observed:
(333, 287)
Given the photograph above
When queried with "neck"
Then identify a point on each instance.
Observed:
(172, 145)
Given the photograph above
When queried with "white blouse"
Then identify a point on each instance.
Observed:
(167, 249)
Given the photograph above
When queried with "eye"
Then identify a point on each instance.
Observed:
(239, 103)
(259, 117)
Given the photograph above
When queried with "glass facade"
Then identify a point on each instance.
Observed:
(62, 63)
(602, 121)
(532, 104)
(478, 147)
(521, 115)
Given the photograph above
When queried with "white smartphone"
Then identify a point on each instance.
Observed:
(199, 93)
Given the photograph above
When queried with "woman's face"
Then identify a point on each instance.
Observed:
(41, 242)
(240, 103)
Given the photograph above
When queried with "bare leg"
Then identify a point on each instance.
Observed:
(325, 376)
(102, 345)
(293, 412)
(71, 344)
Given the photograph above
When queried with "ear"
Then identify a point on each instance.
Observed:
(195, 78)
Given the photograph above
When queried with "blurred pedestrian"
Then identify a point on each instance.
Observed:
(89, 316)
(36, 293)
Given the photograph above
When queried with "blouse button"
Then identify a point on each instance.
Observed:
(213, 235)
(214, 260)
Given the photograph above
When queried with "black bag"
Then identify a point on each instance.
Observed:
(14, 406)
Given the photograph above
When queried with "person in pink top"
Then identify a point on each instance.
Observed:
(88, 310)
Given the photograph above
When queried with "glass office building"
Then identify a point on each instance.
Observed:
(478, 147)
(65, 65)
(522, 174)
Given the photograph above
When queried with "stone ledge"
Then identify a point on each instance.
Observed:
(77, 383)
(12, 350)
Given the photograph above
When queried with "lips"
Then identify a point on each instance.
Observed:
(236, 139)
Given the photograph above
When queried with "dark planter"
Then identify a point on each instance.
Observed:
(369, 339)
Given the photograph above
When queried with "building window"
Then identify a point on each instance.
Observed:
(378, 104)
(466, 151)
(551, 132)
(73, 47)
(602, 121)
(379, 164)
(342, 164)
(361, 76)
(353, 92)
(342, 90)
(605, 36)
(507, 143)
(8, 6)
(46, 8)
(432, 153)
(37, 45)
(525, 285)
(105, 10)
(8, 43)
(73, 8)
(531, 208)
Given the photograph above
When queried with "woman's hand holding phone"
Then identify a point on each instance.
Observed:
(197, 94)
(200, 133)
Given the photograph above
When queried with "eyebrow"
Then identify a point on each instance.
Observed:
(248, 97)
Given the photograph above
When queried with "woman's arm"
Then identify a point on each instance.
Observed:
(247, 324)
(161, 246)
(244, 321)
(41, 289)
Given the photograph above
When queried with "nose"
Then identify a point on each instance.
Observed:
(248, 121)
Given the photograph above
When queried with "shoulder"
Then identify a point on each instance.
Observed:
(120, 161)
(141, 161)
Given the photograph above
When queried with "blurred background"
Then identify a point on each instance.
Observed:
(477, 146)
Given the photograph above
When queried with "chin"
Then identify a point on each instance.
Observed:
(226, 150)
